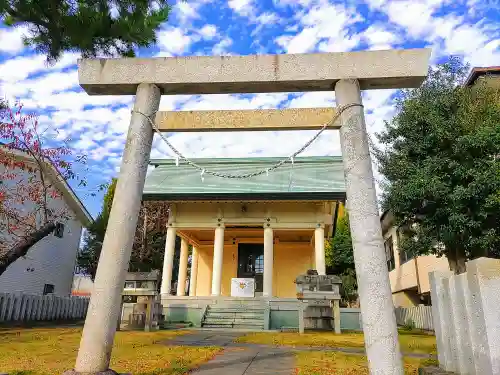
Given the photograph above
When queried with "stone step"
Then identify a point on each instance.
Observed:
(249, 327)
(241, 326)
(238, 305)
(234, 321)
(235, 310)
(206, 325)
(232, 315)
(235, 326)
(239, 315)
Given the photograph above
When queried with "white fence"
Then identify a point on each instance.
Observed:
(421, 316)
(25, 307)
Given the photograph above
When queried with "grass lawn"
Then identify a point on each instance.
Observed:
(410, 342)
(50, 351)
(326, 363)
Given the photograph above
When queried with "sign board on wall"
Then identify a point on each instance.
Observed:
(242, 287)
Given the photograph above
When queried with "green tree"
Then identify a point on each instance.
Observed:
(338, 251)
(149, 243)
(339, 259)
(91, 27)
(440, 156)
(88, 256)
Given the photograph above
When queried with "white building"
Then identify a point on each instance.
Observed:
(409, 275)
(49, 265)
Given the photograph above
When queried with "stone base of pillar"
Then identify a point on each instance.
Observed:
(107, 372)
(433, 371)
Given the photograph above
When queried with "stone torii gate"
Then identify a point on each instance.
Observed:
(345, 73)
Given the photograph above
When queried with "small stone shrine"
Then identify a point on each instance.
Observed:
(140, 306)
(319, 297)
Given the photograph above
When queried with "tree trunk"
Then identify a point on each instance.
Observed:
(456, 261)
(21, 248)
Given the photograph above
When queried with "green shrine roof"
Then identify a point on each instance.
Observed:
(309, 178)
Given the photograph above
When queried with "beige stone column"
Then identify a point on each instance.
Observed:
(194, 272)
(168, 262)
(104, 308)
(377, 308)
(183, 263)
(218, 258)
(319, 249)
(268, 262)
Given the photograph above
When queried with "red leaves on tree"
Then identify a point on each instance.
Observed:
(30, 169)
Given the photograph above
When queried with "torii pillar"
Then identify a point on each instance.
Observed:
(346, 73)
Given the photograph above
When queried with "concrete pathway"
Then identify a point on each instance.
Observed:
(238, 358)
(251, 359)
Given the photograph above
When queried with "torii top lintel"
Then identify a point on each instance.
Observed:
(387, 69)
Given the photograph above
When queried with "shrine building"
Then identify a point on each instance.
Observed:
(266, 229)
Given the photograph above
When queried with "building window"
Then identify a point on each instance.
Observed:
(389, 254)
(59, 231)
(48, 289)
(259, 264)
(404, 256)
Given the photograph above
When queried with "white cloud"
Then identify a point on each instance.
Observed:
(242, 7)
(305, 41)
(293, 3)
(415, 17)
(449, 33)
(225, 101)
(313, 100)
(325, 26)
(186, 9)
(222, 47)
(11, 39)
(19, 68)
(379, 38)
(267, 18)
(208, 31)
(174, 41)
(472, 42)
(41, 88)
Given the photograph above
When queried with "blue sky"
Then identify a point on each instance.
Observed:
(96, 126)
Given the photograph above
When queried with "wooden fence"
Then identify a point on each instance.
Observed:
(420, 315)
(26, 307)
